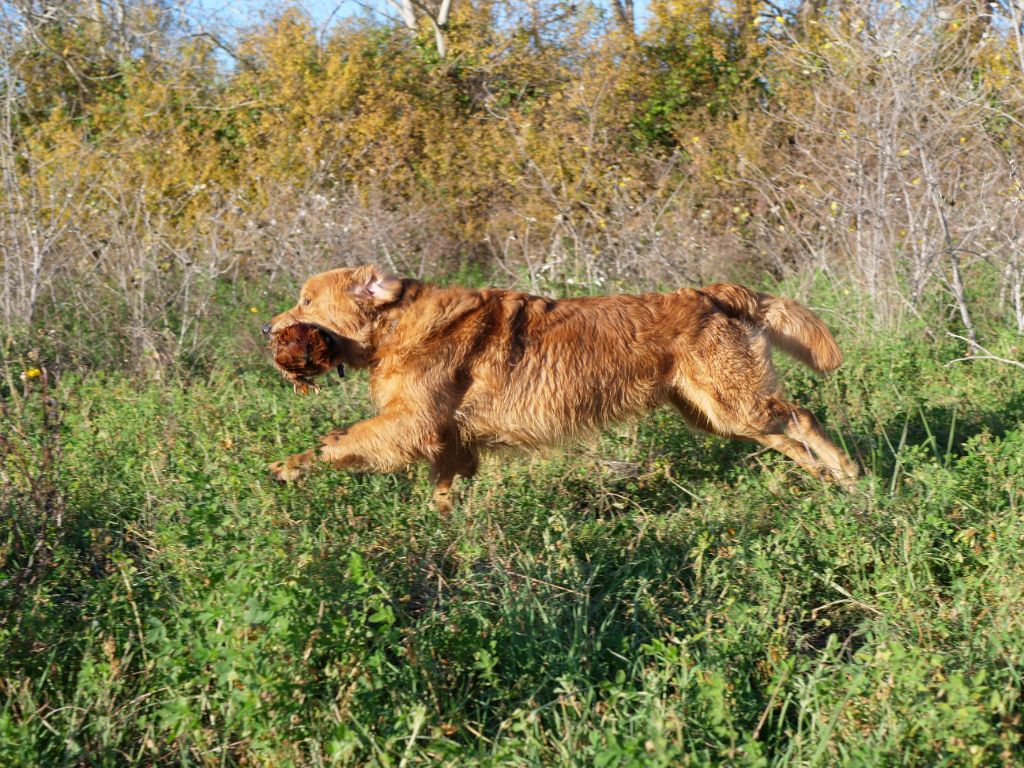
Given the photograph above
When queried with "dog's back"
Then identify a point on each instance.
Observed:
(550, 370)
(530, 371)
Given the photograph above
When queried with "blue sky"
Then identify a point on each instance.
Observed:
(240, 13)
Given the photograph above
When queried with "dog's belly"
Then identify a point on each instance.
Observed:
(545, 402)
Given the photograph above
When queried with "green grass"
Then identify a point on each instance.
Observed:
(653, 598)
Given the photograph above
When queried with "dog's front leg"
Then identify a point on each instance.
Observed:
(454, 459)
(385, 443)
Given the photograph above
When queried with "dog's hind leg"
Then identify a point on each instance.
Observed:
(800, 453)
(694, 416)
(798, 432)
(775, 423)
(728, 387)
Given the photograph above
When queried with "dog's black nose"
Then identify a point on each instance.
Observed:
(266, 329)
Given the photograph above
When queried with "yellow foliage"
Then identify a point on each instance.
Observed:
(515, 124)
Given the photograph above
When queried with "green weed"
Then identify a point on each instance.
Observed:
(652, 598)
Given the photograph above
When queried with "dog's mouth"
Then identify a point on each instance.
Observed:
(336, 345)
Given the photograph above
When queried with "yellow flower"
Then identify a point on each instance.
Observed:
(33, 373)
(916, 181)
(253, 310)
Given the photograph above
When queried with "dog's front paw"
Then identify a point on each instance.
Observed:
(444, 501)
(282, 473)
(290, 469)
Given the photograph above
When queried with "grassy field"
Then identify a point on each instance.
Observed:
(652, 598)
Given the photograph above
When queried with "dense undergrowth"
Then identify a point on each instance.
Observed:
(654, 597)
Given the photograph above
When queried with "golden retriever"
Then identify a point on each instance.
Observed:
(454, 371)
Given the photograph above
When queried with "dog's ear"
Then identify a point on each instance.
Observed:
(375, 284)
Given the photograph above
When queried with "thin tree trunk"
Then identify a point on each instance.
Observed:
(956, 277)
(625, 14)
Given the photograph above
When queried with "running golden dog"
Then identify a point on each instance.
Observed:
(454, 371)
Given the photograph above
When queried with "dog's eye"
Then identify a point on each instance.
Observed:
(306, 301)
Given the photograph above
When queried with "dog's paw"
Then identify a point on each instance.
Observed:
(444, 501)
(282, 473)
(290, 469)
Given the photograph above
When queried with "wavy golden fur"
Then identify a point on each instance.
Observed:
(454, 371)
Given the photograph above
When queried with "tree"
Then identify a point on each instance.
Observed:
(437, 16)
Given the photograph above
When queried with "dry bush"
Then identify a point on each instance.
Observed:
(637, 235)
(870, 142)
(304, 231)
(895, 172)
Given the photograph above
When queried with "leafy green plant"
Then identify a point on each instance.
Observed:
(651, 598)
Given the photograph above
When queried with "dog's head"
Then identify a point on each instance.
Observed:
(345, 303)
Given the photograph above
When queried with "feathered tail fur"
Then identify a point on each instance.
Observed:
(792, 327)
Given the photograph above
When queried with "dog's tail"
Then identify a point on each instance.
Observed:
(792, 327)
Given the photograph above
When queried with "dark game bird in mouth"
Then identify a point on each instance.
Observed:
(303, 352)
